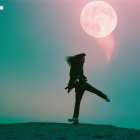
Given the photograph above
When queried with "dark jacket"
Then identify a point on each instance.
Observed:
(76, 72)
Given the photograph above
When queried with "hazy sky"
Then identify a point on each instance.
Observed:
(35, 37)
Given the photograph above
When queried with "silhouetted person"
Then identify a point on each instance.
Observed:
(79, 82)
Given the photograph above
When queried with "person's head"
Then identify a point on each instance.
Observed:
(79, 58)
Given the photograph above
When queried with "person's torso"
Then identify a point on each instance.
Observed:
(74, 71)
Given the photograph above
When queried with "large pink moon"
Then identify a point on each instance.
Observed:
(98, 19)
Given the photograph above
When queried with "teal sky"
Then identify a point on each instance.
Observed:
(35, 37)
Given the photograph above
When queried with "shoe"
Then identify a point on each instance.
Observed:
(107, 99)
(75, 122)
(74, 119)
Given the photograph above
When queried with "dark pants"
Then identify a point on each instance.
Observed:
(79, 91)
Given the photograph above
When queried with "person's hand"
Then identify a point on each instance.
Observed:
(68, 89)
(76, 81)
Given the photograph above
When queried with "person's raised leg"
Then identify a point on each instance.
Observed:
(90, 88)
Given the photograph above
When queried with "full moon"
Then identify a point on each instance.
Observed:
(98, 19)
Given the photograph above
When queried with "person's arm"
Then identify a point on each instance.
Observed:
(75, 76)
(68, 89)
(70, 85)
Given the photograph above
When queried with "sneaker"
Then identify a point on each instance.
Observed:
(107, 99)
(75, 122)
(73, 119)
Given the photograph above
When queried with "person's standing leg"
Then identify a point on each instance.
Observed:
(90, 88)
(79, 91)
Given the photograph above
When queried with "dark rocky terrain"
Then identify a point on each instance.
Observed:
(63, 131)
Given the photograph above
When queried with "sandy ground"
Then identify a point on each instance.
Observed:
(63, 131)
